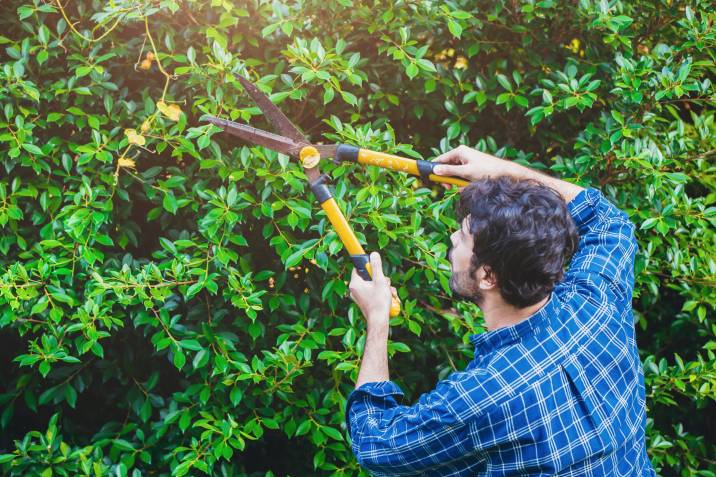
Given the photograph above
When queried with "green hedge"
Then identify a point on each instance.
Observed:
(174, 303)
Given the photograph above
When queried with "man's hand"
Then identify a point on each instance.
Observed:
(470, 164)
(373, 297)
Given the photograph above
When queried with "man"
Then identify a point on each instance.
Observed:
(556, 386)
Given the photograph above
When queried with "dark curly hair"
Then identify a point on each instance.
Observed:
(522, 233)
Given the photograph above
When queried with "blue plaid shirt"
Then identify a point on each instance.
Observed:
(561, 392)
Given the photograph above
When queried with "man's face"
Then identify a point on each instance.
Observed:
(460, 256)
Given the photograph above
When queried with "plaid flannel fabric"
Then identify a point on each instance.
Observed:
(561, 393)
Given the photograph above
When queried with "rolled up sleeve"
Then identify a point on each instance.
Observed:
(405, 440)
(369, 400)
(604, 259)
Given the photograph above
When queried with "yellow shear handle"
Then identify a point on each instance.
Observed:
(350, 241)
(396, 163)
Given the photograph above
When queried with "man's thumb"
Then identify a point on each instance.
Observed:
(376, 265)
(446, 170)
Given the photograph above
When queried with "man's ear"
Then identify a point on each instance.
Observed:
(486, 278)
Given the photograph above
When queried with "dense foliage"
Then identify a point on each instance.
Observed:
(173, 302)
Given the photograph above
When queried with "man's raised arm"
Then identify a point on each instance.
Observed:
(471, 164)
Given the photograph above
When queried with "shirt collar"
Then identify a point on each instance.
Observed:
(492, 340)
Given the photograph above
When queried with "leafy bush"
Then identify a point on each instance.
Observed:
(172, 302)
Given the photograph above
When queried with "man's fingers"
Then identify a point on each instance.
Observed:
(394, 292)
(355, 280)
(376, 266)
(449, 157)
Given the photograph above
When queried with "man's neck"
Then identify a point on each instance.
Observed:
(499, 314)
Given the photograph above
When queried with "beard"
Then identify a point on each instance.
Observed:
(463, 286)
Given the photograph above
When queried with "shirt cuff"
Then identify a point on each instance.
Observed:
(372, 397)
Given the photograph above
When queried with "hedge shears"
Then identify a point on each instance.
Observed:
(293, 143)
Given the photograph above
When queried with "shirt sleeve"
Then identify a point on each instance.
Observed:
(604, 259)
(406, 440)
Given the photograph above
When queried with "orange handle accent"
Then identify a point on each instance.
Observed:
(402, 164)
(448, 180)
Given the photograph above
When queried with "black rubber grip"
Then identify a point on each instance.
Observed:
(320, 189)
(425, 168)
(360, 262)
(346, 152)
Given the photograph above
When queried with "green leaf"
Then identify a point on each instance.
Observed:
(455, 28)
(24, 12)
(677, 177)
(294, 258)
(190, 345)
(649, 223)
(426, 64)
(328, 95)
(235, 396)
(145, 411)
(44, 368)
(268, 29)
(201, 359)
(460, 14)
(93, 121)
(453, 130)
(521, 101)
(332, 433)
(179, 359)
(303, 428)
(123, 444)
(502, 79)
(32, 149)
(71, 395)
(170, 203)
(349, 98)
(40, 306)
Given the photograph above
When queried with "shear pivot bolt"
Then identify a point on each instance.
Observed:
(309, 157)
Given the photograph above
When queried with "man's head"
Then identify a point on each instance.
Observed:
(514, 239)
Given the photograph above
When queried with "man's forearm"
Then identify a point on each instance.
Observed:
(567, 190)
(374, 365)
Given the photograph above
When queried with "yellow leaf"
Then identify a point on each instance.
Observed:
(460, 63)
(135, 138)
(162, 106)
(172, 111)
(125, 162)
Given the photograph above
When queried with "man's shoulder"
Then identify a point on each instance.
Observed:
(579, 327)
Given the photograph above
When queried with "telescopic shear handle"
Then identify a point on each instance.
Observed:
(345, 233)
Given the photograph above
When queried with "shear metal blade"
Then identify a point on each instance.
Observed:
(259, 136)
(279, 120)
